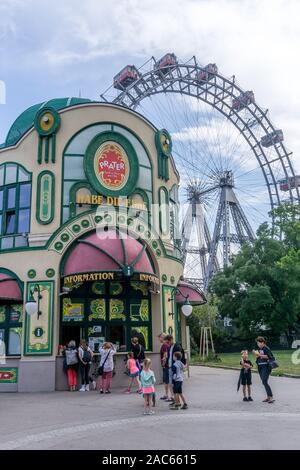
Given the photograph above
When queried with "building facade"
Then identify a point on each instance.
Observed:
(89, 232)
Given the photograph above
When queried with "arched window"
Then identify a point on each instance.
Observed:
(174, 214)
(15, 205)
(164, 212)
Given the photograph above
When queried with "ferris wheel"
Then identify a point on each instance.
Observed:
(233, 164)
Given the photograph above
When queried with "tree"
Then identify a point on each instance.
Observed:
(260, 290)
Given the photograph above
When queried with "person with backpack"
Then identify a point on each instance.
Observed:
(106, 366)
(265, 363)
(85, 356)
(138, 352)
(71, 364)
(173, 348)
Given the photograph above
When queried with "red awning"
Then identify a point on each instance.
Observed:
(195, 295)
(9, 288)
(107, 253)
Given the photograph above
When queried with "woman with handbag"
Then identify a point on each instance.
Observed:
(265, 363)
(106, 366)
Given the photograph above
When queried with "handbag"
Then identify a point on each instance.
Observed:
(101, 368)
(273, 364)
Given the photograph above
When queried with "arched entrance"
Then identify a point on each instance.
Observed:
(106, 284)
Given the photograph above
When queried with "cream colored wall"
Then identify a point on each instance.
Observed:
(25, 153)
(73, 120)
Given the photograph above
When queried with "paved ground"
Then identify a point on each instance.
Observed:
(216, 418)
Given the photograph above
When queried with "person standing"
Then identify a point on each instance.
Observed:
(107, 362)
(71, 364)
(134, 372)
(138, 351)
(246, 375)
(85, 355)
(178, 377)
(173, 348)
(164, 364)
(263, 355)
(148, 382)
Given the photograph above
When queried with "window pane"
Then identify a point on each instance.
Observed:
(97, 310)
(142, 333)
(66, 214)
(21, 241)
(11, 174)
(16, 313)
(23, 176)
(117, 335)
(2, 332)
(1, 175)
(14, 341)
(1, 200)
(2, 313)
(74, 168)
(139, 310)
(11, 198)
(10, 222)
(24, 221)
(7, 243)
(73, 310)
(25, 195)
(0, 224)
(116, 309)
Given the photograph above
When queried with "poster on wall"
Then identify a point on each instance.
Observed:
(38, 330)
(8, 375)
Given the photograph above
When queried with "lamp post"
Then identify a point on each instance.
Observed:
(186, 308)
(32, 307)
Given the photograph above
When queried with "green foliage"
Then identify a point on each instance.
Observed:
(261, 289)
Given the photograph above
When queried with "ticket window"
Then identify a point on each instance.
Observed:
(72, 333)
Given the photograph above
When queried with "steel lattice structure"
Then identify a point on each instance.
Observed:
(218, 92)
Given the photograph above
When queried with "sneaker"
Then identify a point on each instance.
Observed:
(87, 388)
(94, 385)
(245, 399)
(107, 391)
(140, 391)
(82, 389)
(170, 400)
(101, 391)
(127, 391)
(271, 400)
(250, 399)
(151, 412)
(184, 406)
(174, 407)
(146, 412)
(165, 397)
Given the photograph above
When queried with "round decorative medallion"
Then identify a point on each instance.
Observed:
(85, 223)
(47, 121)
(31, 273)
(76, 228)
(111, 164)
(58, 246)
(64, 237)
(164, 278)
(50, 272)
(172, 279)
(164, 142)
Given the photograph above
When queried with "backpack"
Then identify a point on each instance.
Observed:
(86, 357)
(71, 357)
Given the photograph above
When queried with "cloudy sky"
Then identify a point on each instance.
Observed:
(54, 49)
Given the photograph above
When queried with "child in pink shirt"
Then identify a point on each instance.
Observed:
(134, 373)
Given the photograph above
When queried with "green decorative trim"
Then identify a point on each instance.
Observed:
(50, 272)
(8, 375)
(31, 322)
(31, 273)
(172, 279)
(58, 246)
(154, 244)
(65, 237)
(164, 278)
(160, 190)
(85, 223)
(158, 252)
(47, 138)
(76, 228)
(44, 199)
(163, 154)
(132, 158)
